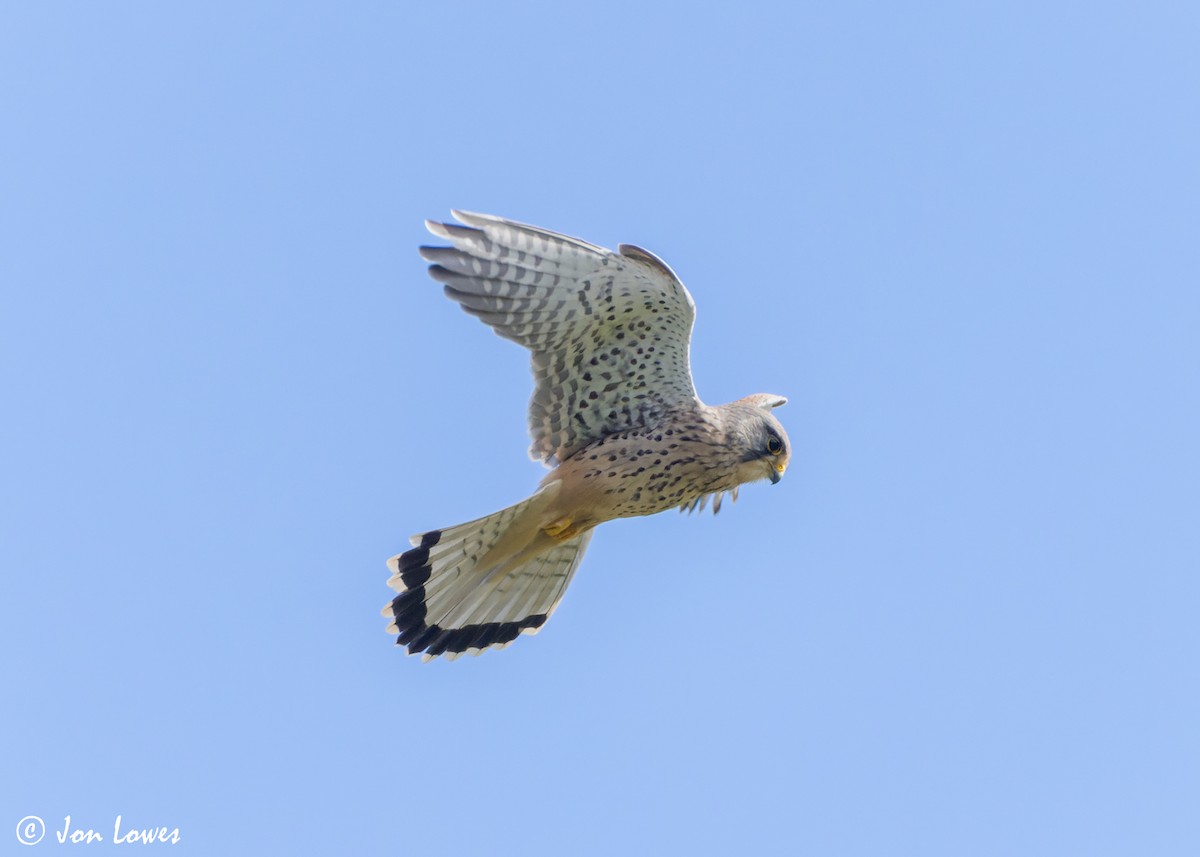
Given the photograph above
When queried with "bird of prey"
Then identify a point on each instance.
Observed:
(614, 413)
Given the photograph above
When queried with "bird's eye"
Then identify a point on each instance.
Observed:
(774, 445)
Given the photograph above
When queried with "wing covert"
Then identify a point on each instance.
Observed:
(608, 332)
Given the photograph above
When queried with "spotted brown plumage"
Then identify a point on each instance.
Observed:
(614, 413)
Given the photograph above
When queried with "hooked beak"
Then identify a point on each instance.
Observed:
(777, 473)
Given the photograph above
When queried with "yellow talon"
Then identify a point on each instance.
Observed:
(560, 529)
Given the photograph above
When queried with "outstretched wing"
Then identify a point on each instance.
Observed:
(609, 331)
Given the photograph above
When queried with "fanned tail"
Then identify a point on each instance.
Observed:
(481, 584)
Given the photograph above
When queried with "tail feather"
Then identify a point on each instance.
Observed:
(480, 585)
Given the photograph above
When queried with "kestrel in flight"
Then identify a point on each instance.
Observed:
(614, 413)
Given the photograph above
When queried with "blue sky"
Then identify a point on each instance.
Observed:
(961, 238)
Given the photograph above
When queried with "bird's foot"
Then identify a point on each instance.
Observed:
(562, 529)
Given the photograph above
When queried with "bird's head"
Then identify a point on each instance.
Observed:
(763, 444)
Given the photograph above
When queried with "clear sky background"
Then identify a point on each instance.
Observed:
(962, 238)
